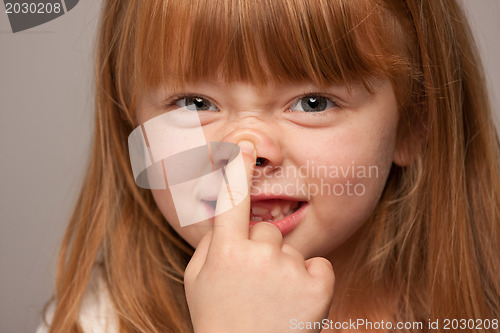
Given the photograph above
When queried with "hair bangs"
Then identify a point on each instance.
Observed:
(262, 41)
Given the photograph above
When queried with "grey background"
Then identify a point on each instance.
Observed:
(45, 127)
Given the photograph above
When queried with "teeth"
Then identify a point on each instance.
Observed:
(281, 216)
(276, 211)
(259, 211)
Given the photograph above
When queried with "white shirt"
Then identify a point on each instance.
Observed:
(96, 310)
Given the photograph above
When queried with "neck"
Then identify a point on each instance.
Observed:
(355, 294)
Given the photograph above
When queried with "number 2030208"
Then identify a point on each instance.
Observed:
(32, 8)
(469, 324)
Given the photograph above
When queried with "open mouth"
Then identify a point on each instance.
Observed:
(272, 210)
(283, 213)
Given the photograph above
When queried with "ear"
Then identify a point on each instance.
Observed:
(410, 141)
(401, 155)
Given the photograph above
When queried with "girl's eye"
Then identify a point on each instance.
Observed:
(196, 103)
(313, 103)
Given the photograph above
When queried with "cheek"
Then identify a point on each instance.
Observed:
(359, 166)
(348, 170)
(347, 195)
(191, 233)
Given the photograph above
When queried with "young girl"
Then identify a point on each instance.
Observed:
(369, 149)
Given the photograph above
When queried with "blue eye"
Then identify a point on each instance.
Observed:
(313, 103)
(196, 103)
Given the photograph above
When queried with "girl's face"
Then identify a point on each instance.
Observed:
(324, 154)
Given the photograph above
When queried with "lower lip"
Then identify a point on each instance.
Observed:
(288, 223)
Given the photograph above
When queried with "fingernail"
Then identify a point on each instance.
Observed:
(247, 147)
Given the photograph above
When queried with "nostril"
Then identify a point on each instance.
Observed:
(261, 161)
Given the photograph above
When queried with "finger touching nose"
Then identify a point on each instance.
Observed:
(268, 151)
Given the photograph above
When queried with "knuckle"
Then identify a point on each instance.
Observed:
(227, 252)
(327, 265)
(324, 289)
(189, 276)
(324, 279)
(294, 253)
(267, 253)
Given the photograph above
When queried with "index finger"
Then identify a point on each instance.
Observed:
(233, 202)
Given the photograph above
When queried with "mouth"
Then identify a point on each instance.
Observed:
(283, 213)
(272, 210)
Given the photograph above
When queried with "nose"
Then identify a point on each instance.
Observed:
(269, 154)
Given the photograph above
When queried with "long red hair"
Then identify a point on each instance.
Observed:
(435, 234)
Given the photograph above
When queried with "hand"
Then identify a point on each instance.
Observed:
(249, 281)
